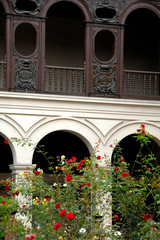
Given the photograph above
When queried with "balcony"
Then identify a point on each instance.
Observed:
(72, 81)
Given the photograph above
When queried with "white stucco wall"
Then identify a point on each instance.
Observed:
(33, 116)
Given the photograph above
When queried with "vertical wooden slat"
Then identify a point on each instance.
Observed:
(155, 84)
(139, 84)
(61, 80)
(144, 84)
(55, 80)
(73, 80)
(149, 84)
(133, 84)
(50, 80)
(67, 80)
(78, 81)
(128, 84)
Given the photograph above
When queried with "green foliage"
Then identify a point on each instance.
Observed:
(78, 204)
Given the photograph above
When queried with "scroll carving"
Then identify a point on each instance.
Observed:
(25, 74)
(116, 5)
(104, 79)
(39, 4)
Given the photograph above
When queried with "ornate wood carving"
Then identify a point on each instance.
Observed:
(39, 4)
(157, 3)
(104, 79)
(25, 74)
(117, 5)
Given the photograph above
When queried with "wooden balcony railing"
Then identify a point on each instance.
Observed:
(2, 75)
(66, 80)
(141, 83)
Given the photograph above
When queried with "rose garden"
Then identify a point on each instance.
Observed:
(86, 200)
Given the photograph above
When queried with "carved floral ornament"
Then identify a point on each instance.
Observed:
(104, 79)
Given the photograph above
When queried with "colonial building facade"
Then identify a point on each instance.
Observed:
(73, 72)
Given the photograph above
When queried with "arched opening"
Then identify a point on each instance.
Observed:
(142, 41)
(5, 160)
(130, 148)
(2, 46)
(138, 181)
(56, 144)
(65, 72)
(142, 54)
(64, 35)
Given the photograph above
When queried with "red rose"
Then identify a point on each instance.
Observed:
(63, 212)
(116, 217)
(3, 202)
(81, 162)
(4, 195)
(48, 199)
(6, 141)
(73, 159)
(125, 174)
(96, 165)
(15, 194)
(83, 184)
(98, 157)
(143, 126)
(121, 160)
(57, 225)
(59, 168)
(147, 216)
(138, 130)
(6, 188)
(37, 172)
(79, 166)
(57, 205)
(68, 178)
(70, 216)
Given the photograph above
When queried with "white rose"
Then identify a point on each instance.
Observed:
(82, 230)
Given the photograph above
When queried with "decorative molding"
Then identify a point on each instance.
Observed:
(117, 5)
(157, 3)
(39, 4)
(25, 74)
(104, 79)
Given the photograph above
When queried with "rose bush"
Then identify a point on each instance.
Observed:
(78, 204)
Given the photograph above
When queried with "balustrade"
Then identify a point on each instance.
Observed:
(64, 80)
(2, 75)
(141, 83)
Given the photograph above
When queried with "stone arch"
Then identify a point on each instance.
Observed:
(79, 129)
(130, 128)
(135, 6)
(6, 6)
(7, 130)
(79, 4)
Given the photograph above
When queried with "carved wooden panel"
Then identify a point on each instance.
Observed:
(25, 74)
(104, 79)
